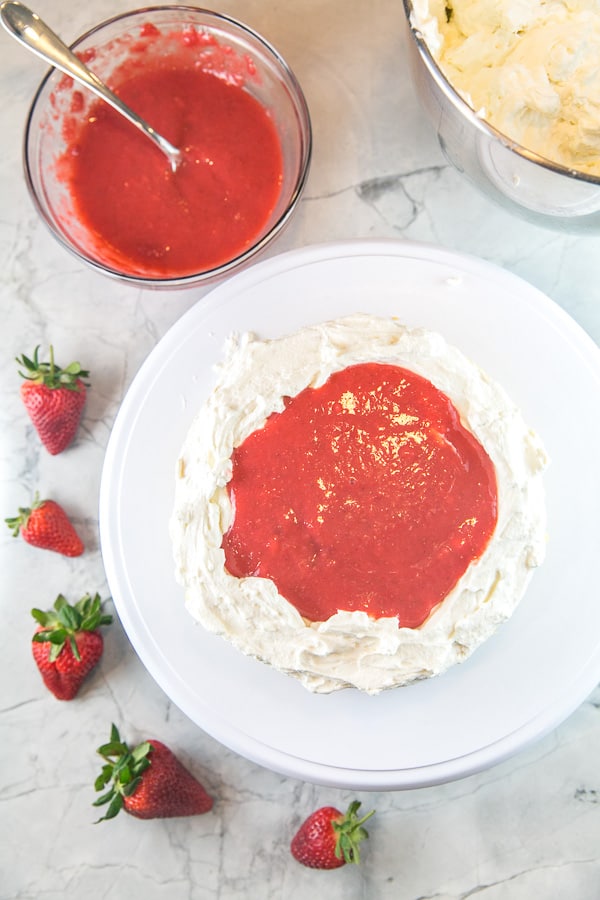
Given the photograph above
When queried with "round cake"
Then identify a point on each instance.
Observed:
(357, 504)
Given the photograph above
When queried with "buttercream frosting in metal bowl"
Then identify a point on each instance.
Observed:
(528, 67)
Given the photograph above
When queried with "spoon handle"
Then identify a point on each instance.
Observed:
(31, 31)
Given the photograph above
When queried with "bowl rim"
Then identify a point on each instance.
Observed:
(305, 156)
(479, 123)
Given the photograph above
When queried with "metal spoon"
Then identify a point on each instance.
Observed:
(30, 30)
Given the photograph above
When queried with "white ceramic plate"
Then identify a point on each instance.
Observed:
(522, 682)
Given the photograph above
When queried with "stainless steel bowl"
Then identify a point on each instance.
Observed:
(523, 182)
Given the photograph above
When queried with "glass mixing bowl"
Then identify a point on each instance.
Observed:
(60, 104)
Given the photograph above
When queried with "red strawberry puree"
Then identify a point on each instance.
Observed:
(140, 217)
(364, 494)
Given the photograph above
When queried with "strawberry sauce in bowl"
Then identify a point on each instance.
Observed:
(216, 90)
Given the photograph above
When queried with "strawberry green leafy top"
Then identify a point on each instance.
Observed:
(349, 832)
(61, 623)
(50, 374)
(123, 767)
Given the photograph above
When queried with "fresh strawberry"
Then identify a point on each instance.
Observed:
(66, 644)
(148, 782)
(329, 839)
(45, 524)
(54, 399)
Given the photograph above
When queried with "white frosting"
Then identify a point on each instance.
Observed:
(528, 67)
(351, 649)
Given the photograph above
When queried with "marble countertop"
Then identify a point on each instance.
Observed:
(528, 827)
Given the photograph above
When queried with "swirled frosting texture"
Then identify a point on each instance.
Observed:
(528, 67)
(350, 648)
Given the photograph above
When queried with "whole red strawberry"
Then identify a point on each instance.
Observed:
(329, 839)
(148, 782)
(45, 524)
(54, 398)
(66, 644)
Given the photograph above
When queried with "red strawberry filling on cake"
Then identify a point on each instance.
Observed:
(366, 493)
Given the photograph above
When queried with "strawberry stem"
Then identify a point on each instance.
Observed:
(123, 767)
(350, 833)
(15, 523)
(63, 622)
(50, 374)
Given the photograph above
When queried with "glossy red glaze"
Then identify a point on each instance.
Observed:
(143, 219)
(364, 494)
